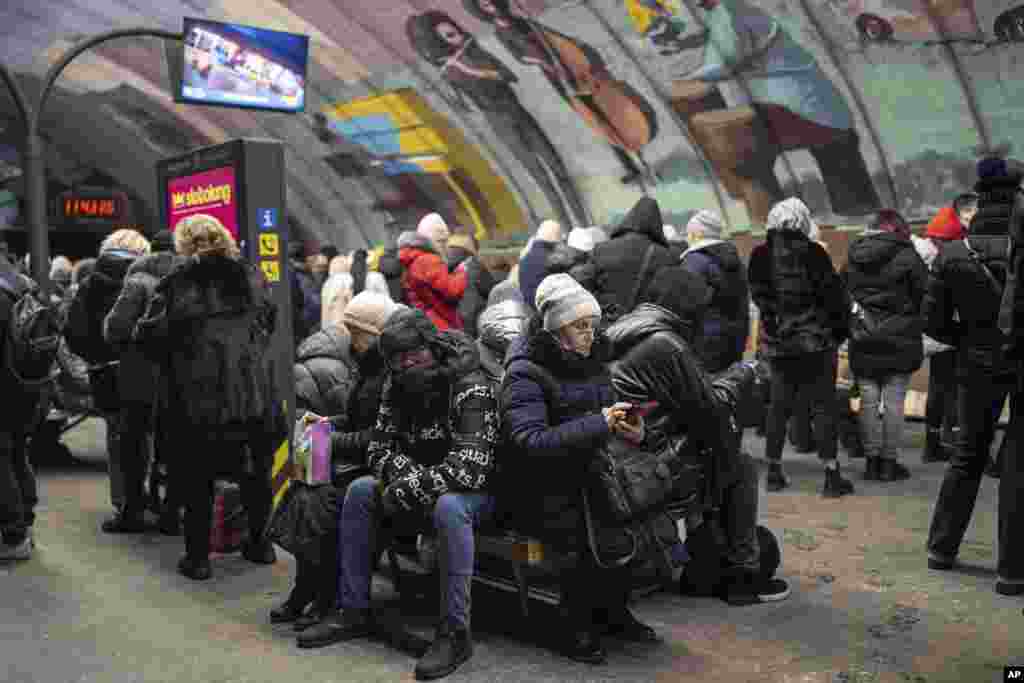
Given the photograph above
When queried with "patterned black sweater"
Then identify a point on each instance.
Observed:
(420, 457)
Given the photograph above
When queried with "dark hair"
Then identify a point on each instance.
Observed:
(421, 30)
(330, 251)
(967, 200)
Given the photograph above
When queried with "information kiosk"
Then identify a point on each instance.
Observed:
(241, 183)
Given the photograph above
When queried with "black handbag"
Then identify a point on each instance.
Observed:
(631, 483)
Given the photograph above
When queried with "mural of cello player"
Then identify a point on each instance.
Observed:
(487, 82)
(577, 72)
(760, 93)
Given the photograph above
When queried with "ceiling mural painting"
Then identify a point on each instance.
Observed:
(576, 108)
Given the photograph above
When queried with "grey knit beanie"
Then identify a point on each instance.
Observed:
(561, 301)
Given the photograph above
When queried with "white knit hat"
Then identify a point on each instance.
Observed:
(561, 301)
(792, 214)
(582, 239)
(707, 222)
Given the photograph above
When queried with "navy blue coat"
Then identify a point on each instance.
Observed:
(723, 336)
(553, 432)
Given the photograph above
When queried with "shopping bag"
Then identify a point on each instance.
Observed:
(313, 450)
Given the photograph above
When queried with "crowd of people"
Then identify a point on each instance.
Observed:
(451, 393)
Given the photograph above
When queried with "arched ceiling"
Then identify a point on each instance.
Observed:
(915, 88)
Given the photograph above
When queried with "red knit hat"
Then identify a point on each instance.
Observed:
(946, 226)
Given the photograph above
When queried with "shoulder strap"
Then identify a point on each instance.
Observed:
(988, 273)
(641, 278)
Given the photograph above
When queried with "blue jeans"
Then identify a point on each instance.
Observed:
(455, 516)
(882, 434)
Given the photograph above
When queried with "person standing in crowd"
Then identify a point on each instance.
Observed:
(390, 265)
(499, 326)
(23, 408)
(555, 435)
(85, 337)
(942, 411)
(305, 294)
(464, 249)
(362, 277)
(620, 268)
(426, 282)
(139, 381)
(329, 251)
(318, 265)
(431, 455)
(533, 264)
(962, 309)
(723, 337)
(211, 321)
(804, 318)
(886, 280)
(60, 276)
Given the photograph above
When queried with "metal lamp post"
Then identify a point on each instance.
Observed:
(33, 159)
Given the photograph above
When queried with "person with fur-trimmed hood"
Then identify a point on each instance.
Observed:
(210, 323)
(139, 380)
(431, 455)
(426, 282)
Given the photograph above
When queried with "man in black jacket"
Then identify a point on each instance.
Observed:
(431, 454)
(18, 496)
(962, 309)
(616, 273)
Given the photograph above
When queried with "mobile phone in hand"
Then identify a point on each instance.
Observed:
(641, 409)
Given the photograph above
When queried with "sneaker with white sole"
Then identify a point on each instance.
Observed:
(18, 551)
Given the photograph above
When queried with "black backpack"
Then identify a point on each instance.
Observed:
(32, 335)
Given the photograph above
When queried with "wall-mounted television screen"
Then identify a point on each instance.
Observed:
(243, 66)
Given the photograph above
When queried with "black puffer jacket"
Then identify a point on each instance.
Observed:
(961, 307)
(210, 324)
(723, 337)
(654, 361)
(138, 375)
(499, 326)
(613, 271)
(84, 330)
(885, 275)
(20, 402)
(553, 431)
(325, 375)
(421, 455)
(804, 307)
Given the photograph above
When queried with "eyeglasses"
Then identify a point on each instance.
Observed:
(584, 325)
(406, 360)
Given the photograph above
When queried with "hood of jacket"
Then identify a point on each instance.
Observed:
(725, 254)
(224, 285)
(158, 265)
(542, 347)
(417, 248)
(874, 250)
(455, 351)
(642, 322)
(946, 226)
(644, 218)
(502, 323)
(331, 342)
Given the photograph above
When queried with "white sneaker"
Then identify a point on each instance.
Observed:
(21, 551)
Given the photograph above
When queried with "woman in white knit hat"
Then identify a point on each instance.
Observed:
(558, 409)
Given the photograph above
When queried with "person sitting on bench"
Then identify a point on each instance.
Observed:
(431, 453)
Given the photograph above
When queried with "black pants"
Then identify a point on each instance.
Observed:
(18, 493)
(201, 458)
(941, 409)
(135, 423)
(814, 373)
(983, 404)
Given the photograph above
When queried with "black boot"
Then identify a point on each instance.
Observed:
(873, 469)
(260, 552)
(347, 624)
(292, 608)
(621, 623)
(585, 646)
(835, 484)
(892, 471)
(197, 569)
(775, 480)
(125, 522)
(452, 647)
(933, 449)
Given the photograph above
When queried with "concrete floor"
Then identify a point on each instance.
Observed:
(91, 607)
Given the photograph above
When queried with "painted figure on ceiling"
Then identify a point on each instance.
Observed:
(577, 72)
(481, 77)
(659, 22)
(760, 93)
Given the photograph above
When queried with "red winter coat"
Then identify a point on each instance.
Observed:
(430, 287)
